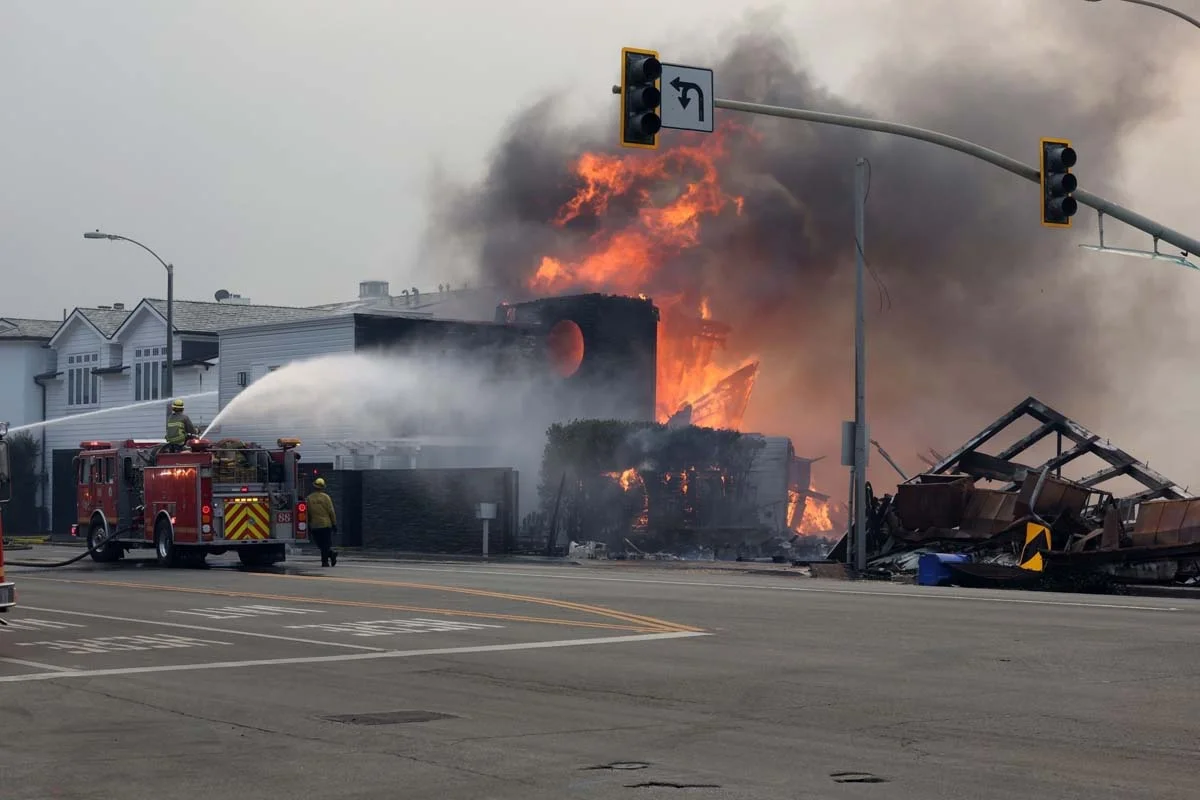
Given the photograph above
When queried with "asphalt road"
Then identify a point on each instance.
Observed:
(602, 681)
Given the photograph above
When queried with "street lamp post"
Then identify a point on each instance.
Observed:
(169, 374)
(1159, 6)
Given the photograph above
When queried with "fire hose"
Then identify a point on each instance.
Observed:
(92, 548)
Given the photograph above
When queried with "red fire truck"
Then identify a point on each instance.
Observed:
(207, 498)
(8, 594)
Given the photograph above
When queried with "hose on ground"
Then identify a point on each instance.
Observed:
(89, 551)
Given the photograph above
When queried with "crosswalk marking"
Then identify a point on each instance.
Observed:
(29, 624)
(242, 612)
(392, 627)
(119, 644)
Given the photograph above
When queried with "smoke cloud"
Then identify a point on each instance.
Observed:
(973, 305)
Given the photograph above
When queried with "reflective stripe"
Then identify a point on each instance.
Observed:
(247, 520)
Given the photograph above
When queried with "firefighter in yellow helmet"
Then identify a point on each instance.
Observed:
(322, 521)
(179, 427)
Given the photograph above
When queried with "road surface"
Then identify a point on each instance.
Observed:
(425, 680)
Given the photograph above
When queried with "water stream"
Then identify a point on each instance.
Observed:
(98, 412)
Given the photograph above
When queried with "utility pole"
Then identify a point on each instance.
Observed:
(168, 379)
(860, 372)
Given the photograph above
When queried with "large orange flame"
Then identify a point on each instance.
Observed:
(673, 193)
(814, 514)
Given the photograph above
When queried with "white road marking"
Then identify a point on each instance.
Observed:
(204, 628)
(36, 664)
(273, 662)
(241, 612)
(392, 627)
(102, 645)
(933, 594)
(29, 624)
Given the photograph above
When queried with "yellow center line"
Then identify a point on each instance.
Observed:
(635, 619)
(357, 604)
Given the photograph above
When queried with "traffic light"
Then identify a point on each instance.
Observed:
(640, 98)
(1058, 206)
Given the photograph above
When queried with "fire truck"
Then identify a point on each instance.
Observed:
(206, 498)
(8, 594)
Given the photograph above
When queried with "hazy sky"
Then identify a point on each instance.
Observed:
(284, 149)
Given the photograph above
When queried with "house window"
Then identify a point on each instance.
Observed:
(83, 385)
(149, 372)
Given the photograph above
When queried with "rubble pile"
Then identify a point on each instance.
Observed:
(983, 519)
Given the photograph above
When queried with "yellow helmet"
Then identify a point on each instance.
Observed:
(319, 483)
(177, 405)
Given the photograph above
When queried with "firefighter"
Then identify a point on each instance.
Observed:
(322, 521)
(179, 428)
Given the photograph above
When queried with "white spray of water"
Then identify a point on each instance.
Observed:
(102, 411)
(496, 416)
(381, 396)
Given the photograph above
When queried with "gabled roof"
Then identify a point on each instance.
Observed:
(17, 328)
(206, 317)
(106, 320)
(103, 321)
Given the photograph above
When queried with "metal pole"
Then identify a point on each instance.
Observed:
(169, 376)
(860, 374)
(1131, 218)
(1172, 11)
(485, 537)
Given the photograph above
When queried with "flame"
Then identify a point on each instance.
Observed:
(815, 516)
(627, 478)
(672, 194)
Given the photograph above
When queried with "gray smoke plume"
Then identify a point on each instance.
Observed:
(975, 305)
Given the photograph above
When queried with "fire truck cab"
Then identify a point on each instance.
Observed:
(207, 498)
(8, 594)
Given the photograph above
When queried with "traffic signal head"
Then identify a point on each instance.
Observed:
(640, 98)
(1058, 184)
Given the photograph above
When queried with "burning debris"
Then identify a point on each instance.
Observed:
(641, 489)
(990, 519)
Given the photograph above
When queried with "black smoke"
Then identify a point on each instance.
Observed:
(972, 304)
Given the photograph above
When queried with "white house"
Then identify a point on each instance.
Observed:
(23, 354)
(105, 379)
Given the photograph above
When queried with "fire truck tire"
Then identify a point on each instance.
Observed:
(105, 553)
(164, 544)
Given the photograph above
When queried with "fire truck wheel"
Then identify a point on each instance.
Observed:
(164, 544)
(105, 553)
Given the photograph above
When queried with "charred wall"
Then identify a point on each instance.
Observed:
(433, 510)
(602, 347)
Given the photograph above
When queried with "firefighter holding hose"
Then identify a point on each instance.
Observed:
(322, 522)
(179, 428)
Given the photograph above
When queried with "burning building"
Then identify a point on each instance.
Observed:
(742, 238)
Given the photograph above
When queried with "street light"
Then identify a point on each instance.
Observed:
(169, 376)
(1172, 11)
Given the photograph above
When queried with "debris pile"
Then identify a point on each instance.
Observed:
(993, 520)
(642, 490)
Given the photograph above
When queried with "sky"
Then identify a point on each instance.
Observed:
(287, 149)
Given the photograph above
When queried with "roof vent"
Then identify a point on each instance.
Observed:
(118, 306)
(373, 289)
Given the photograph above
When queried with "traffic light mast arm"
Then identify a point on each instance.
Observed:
(1131, 218)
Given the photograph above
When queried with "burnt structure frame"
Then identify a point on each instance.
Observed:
(1085, 442)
